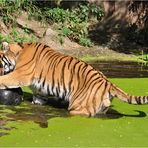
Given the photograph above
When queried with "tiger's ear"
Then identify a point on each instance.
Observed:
(5, 47)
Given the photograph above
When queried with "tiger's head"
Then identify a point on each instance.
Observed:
(8, 56)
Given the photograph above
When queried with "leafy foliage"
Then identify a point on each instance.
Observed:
(15, 36)
(11, 9)
(139, 30)
(72, 23)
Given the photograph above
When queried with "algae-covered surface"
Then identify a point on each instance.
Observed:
(45, 126)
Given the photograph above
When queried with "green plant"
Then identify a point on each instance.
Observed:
(86, 10)
(138, 31)
(63, 32)
(10, 10)
(85, 42)
(72, 23)
(15, 36)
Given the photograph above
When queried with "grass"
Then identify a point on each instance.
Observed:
(65, 131)
(112, 57)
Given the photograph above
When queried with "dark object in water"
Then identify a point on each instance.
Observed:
(11, 96)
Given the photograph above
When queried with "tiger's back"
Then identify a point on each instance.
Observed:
(48, 72)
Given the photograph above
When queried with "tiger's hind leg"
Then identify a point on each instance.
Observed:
(14, 79)
(85, 110)
(105, 105)
(78, 109)
(90, 111)
(82, 112)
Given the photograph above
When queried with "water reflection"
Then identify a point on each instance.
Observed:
(41, 114)
(4, 129)
(38, 114)
(116, 69)
(30, 112)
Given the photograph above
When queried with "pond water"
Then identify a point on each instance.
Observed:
(122, 69)
(29, 112)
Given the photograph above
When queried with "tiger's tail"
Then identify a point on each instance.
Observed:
(117, 92)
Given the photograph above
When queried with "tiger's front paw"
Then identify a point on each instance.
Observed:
(40, 100)
(37, 102)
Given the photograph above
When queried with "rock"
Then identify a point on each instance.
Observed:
(52, 39)
(32, 25)
(3, 28)
(11, 96)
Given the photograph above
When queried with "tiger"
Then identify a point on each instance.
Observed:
(8, 58)
(48, 72)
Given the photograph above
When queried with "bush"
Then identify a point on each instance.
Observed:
(138, 32)
(72, 23)
(15, 36)
(11, 9)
